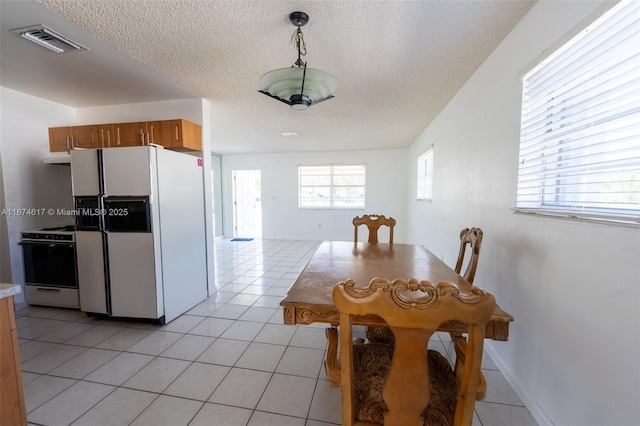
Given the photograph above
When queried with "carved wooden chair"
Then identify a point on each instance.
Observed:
(407, 384)
(471, 237)
(373, 222)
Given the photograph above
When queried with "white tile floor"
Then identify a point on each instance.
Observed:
(228, 361)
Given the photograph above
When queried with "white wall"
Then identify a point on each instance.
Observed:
(573, 287)
(386, 194)
(208, 194)
(27, 182)
(188, 109)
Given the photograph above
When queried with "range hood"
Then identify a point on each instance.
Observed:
(62, 159)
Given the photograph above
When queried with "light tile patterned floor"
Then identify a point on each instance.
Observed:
(228, 361)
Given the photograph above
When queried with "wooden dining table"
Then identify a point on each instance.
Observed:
(309, 299)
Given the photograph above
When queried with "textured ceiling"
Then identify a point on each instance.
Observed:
(398, 63)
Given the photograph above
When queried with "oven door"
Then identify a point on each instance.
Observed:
(52, 264)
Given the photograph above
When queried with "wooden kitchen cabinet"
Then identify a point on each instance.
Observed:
(175, 134)
(105, 135)
(60, 139)
(12, 402)
(129, 134)
(172, 134)
(86, 137)
(63, 139)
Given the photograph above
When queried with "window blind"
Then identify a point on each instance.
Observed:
(425, 175)
(580, 128)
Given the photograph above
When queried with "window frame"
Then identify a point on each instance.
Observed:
(332, 186)
(557, 171)
(424, 187)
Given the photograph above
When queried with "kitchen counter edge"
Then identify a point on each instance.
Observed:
(7, 290)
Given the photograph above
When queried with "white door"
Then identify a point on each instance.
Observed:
(247, 203)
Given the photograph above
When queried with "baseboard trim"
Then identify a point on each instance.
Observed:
(530, 403)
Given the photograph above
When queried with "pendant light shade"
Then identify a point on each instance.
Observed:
(298, 86)
(285, 84)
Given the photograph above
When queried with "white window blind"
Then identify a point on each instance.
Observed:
(580, 130)
(332, 186)
(425, 175)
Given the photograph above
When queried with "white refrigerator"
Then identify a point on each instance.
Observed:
(140, 232)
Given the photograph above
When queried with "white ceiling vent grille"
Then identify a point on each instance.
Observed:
(48, 38)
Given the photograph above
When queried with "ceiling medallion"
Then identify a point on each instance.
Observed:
(298, 86)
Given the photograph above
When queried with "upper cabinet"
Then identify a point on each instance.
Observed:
(171, 134)
(60, 138)
(129, 134)
(65, 138)
(105, 134)
(175, 134)
(86, 137)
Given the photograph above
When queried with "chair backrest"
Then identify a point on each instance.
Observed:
(413, 310)
(373, 222)
(471, 237)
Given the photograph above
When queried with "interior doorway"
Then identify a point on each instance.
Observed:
(247, 203)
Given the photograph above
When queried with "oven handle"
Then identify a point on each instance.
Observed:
(47, 243)
(48, 289)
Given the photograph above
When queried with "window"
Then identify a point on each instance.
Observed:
(331, 186)
(425, 175)
(580, 130)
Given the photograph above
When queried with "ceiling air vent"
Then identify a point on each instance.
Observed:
(48, 38)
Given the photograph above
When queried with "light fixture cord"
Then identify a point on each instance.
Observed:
(304, 73)
(301, 46)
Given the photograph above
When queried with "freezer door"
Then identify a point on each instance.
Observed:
(132, 276)
(127, 171)
(91, 275)
(85, 172)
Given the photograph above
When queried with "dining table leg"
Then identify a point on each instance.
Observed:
(332, 364)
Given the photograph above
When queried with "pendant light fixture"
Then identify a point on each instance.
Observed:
(298, 86)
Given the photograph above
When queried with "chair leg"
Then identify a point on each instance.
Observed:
(460, 345)
(332, 363)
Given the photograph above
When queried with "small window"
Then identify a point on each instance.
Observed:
(425, 175)
(580, 129)
(332, 186)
